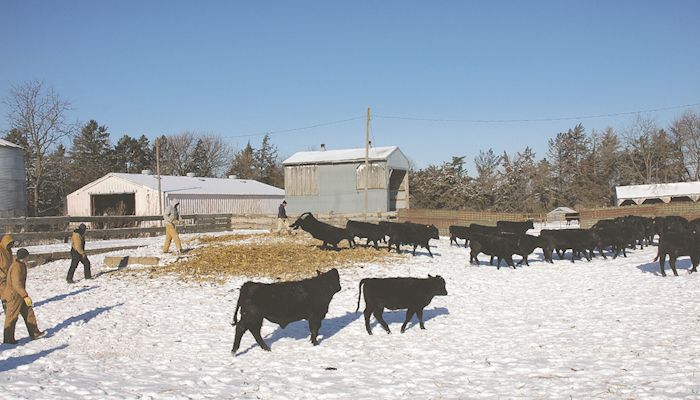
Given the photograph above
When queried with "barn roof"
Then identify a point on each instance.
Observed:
(5, 143)
(196, 185)
(340, 156)
(663, 191)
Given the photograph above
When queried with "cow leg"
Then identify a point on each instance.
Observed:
(368, 313)
(672, 261)
(695, 260)
(241, 327)
(509, 261)
(414, 249)
(452, 239)
(376, 244)
(430, 253)
(498, 266)
(378, 314)
(662, 261)
(255, 330)
(409, 316)
(419, 312)
(491, 261)
(314, 327)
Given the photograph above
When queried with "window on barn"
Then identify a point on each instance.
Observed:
(301, 180)
(376, 175)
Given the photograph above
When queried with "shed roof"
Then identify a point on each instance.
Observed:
(566, 210)
(659, 190)
(5, 143)
(340, 156)
(196, 185)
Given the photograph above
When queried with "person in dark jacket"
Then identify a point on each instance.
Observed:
(282, 222)
(18, 301)
(77, 254)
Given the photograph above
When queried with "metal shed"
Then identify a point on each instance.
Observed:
(657, 193)
(334, 180)
(13, 183)
(137, 194)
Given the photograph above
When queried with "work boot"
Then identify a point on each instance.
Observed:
(38, 335)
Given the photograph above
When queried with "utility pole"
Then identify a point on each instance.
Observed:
(160, 193)
(367, 161)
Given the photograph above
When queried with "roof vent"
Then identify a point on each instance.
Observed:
(233, 177)
(146, 172)
(323, 147)
(191, 174)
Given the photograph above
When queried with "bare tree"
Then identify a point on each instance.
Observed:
(654, 157)
(686, 132)
(217, 155)
(177, 153)
(38, 115)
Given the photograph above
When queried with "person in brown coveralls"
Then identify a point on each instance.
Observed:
(77, 254)
(18, 301)
(6, 244)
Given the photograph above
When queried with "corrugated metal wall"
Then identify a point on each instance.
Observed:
(13, 186)
(218, 204)
(338, 193)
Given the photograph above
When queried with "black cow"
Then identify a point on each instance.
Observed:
(485, 229)
(672, 223)
(515, 227)
(501, 247)
(459, 232)
(675, 244)
(284, 302)
(372, 232)
(578, 240)
(412, 234)
(399, 293)
(323, 231)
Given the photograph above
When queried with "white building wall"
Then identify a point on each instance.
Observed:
(222, 204)
(79, 203)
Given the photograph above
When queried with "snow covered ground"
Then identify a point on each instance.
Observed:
(605, 329)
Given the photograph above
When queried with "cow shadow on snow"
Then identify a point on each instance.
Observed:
(299, 330)
(653, 267)
(81, 318)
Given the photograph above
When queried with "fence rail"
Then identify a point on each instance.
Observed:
(442, 219)
(30, 230)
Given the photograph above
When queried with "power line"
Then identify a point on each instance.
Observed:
(487, 121)
(290, 130)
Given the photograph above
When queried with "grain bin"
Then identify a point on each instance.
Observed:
(13, 186)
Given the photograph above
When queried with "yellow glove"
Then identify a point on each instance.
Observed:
(28, 301)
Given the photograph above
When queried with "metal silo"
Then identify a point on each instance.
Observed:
(13, 186)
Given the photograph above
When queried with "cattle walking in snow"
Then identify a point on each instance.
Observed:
(412, 294)
(675, 244)
(282, 303)
(411, 234)
(459, 232)
(372, 232)
(327, 233)
(515, 227)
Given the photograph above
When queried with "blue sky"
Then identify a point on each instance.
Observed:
(238, 68)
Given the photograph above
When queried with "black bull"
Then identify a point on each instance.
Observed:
(282, 303)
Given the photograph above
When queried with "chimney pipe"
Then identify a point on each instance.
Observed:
(323, 147)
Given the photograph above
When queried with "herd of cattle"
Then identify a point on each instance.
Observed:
(309, 299)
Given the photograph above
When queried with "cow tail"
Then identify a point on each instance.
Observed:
(238, 306)
(658, 253)
(359, 295)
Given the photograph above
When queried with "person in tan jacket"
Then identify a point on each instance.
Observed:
(78, 255)
(6, 244)
(18, 301)
(171, 217)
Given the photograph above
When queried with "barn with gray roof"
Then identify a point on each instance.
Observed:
(137, 194)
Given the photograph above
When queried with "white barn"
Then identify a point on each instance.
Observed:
(137, 194)
(657, 193)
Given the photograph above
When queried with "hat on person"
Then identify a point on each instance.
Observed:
(22, 254)
(284, 201)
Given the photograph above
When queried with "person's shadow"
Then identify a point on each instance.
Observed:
(14, 362)
(63, 296)
(84, 317)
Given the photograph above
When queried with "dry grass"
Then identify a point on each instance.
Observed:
(280, 257)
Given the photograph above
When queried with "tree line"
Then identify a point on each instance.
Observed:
(37, 122)
(580, 169)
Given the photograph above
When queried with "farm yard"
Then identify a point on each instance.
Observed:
(603, 329)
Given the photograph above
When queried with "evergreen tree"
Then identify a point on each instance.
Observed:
(198, 161)
(52, 200)
(90, 155)
(243, 165)
(267, 164)
(483, 193)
